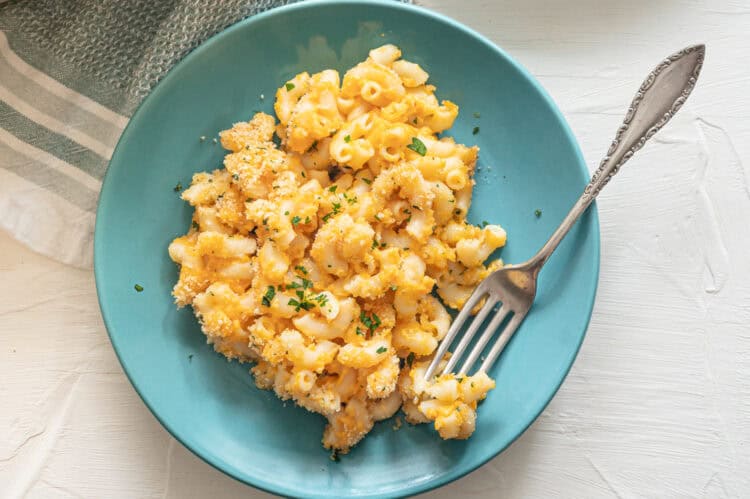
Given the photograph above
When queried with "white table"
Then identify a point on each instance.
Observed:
(658, 402)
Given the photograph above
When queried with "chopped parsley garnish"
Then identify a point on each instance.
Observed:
(270, 293)
(375, 244)
(138, 287)
(475, 130)
(235, 176)
(378, 217)
(381, 350)
(289, 86)
(321, 299)
(371, 323)
(485, 223)
(249, 200)
(195, 225)
(303, 174)
(360, 332)
(336, 210)
(333, 188)
(417, 146)
(538, 213)
(314, 146)
(348, 138)
(286, 213)
(350, 200)
(410, 359)
(301, 269)
(307, 220)
(178, 187)
(367, 181)
(460, 380)
(295, 220)
(303, 302)
(414, 121)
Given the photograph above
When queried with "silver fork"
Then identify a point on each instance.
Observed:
(514, 287)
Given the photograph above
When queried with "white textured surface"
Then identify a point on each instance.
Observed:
(658, 402)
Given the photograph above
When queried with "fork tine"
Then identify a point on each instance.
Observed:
(486, 335)
(477, 295)
(469, 333)
(502, 341)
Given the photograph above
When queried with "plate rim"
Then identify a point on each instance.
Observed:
(205, 454)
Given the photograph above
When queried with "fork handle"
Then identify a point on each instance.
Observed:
(661, 95)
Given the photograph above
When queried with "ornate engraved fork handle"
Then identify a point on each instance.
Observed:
(661, 95)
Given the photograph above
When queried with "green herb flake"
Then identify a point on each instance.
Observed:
(314, 146)
(417, 146)
(235, 177)
(138, 288)
(537, 213)
(303, 174)
(374, 244)
(326, 217)
(348, 138)
(410, 359)
(289, 86)
(196, 226)
(307, 220)
(178, 187)
(286, 213)
(485, 223)
(301, 269)
(360, 332)
(268, 296)
(333, 188)
(249, 200)
(372, 322)
(295, 220)
(475, 130)
(367, 181)
(381, 350)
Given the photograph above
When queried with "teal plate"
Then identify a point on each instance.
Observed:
(529, 160)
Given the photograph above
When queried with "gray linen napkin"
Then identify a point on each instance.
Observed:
(71, 74)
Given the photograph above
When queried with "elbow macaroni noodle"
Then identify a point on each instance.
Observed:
(317, 260)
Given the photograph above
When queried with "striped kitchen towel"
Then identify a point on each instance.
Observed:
(71, 74)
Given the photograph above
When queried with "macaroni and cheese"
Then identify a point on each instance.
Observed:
(317, 260)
